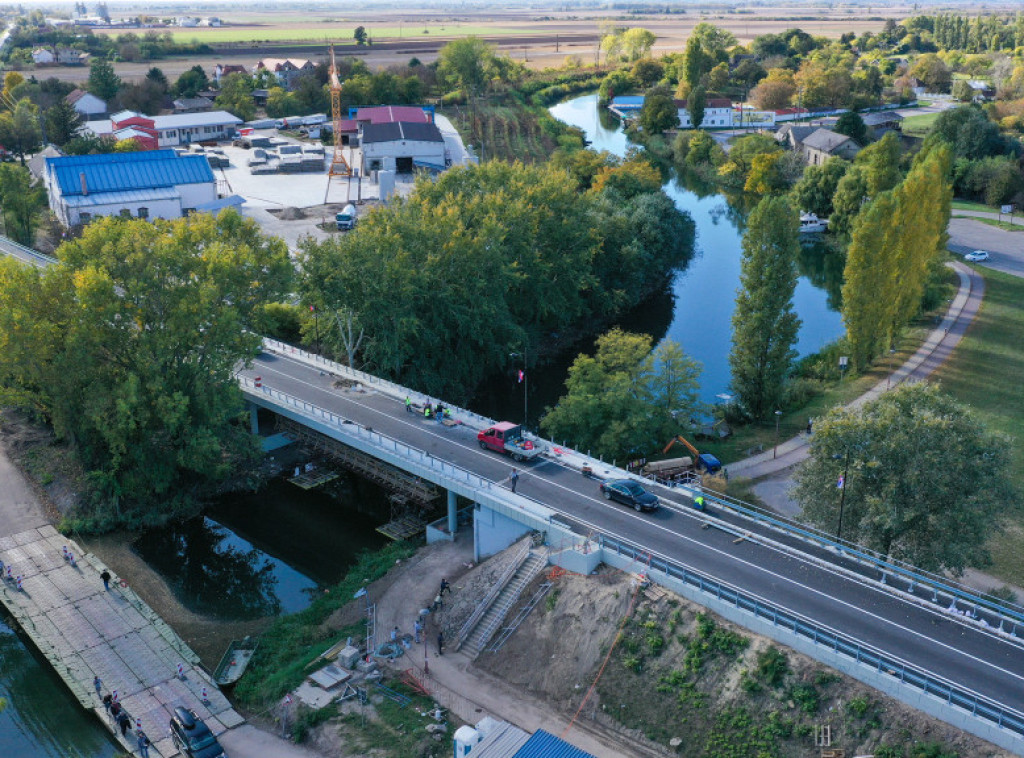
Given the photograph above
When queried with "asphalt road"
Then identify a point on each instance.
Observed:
(926, 637)
(1006, 248)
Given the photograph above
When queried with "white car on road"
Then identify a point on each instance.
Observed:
(977, 256)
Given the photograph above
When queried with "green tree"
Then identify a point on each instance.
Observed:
(544, 255)
(852, 125)
(962, 91)
(637, 43)
(696, 63)
(925, 480)
(464, 63)
(696, 105)
(191, 82)
(62, 122)
(624, 400)
(658, 114)
(129, 347)
(21, 203)
(714, 41)
(616, 83)
(816, 188)
(764, 324)
(851, 194)
(103, 82)
(146, 97)
(19, 129)
(970, 133)
(933, 72)
(236, 96)
(359, 35)
(158, 77)
(740, 158)
(312, 96)
(881, 162)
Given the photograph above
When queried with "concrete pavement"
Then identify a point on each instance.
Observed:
(932, 354)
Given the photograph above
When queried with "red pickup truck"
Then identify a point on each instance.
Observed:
(506, 437)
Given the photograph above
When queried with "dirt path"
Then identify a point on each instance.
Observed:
(466, 690)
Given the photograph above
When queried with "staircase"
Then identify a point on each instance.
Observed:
(509, 595)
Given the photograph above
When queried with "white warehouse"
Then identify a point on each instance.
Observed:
(401, 146)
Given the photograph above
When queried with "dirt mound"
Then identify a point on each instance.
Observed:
(682, 681)
(290, 214)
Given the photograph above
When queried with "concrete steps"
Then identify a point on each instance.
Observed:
(489, 623)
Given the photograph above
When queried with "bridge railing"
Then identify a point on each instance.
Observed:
(381, 441)
(818, 633)
(25, 254)
(1001, 611)
(384, 385)
(943, 589)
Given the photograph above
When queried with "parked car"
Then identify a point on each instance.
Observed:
(192, 737)
(629, 492)
(977, 256)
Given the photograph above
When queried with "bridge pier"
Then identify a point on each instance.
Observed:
(254, 418)
(453, 522)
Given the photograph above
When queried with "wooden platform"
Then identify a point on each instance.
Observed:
(86, 631)
(402, 528)
(310, 479)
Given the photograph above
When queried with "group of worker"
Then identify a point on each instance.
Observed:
(437, 411)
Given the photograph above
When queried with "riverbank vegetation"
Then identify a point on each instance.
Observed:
(496, 259)
(128, 348)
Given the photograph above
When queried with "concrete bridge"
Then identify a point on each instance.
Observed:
(921, 638)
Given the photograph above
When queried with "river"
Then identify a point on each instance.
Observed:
(696, 308)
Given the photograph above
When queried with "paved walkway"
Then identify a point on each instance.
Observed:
(932, 354)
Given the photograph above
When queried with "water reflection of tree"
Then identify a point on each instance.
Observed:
(823, 264)
(220, 578)
(608, 120)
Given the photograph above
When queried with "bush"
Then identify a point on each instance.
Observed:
(806, 697)
(772, 666)
(859, 706)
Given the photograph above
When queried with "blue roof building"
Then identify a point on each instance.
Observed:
(500, 739)
(151, 184)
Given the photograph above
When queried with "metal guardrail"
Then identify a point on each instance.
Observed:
(492, 594)
(931, 684)
(382, 441)
(25, 254)
(391, 388)
(914, 577)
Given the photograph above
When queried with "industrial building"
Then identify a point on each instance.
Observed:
(168, 131)
(153, 184)
(402, 146)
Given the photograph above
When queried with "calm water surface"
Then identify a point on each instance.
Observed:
(696, 308)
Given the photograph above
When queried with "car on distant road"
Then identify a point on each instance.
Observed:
(192, 737)
(629, 492)
(977, 256)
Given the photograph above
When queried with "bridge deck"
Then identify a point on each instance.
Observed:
(804, 580)
(85, 631)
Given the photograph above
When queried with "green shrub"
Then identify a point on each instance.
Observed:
(772, 666)
(806, 697)
(859, 706)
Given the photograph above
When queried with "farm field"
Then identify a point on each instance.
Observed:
(338, 34)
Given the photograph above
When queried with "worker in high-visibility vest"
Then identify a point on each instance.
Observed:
(698, 502)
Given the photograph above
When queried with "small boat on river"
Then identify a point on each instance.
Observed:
(235, 661)
(811, 224)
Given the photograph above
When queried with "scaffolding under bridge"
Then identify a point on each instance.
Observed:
(405, 488)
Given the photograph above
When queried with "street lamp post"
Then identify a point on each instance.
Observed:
(775, 450)
(316, 325)
(888, 378)
(842, 495)
(526, 386)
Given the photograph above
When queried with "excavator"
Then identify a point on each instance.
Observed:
(670, 468)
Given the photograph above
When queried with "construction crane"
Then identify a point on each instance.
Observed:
(339, 166)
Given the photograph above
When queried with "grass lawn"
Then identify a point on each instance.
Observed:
(919, 125)
(969, 205)
(1004, 225)
(985, 372)
(338, 34)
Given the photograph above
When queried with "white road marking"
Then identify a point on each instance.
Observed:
(693, 541)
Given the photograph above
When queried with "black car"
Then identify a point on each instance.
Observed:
(192, 737)
(629, 492)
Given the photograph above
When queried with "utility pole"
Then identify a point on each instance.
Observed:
(842, 495)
